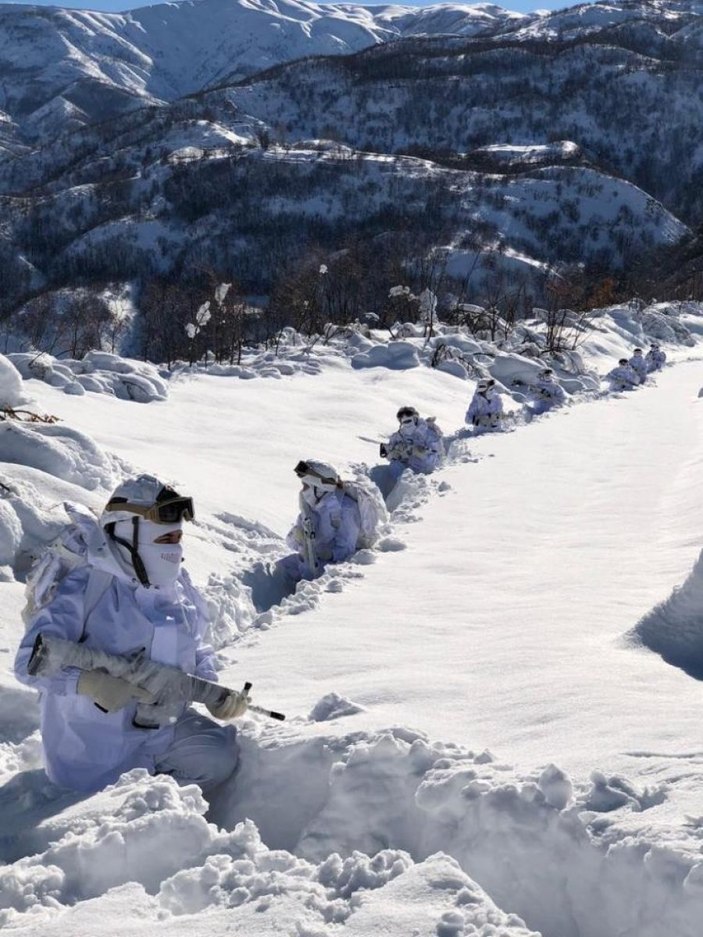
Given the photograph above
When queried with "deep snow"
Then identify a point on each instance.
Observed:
(477, 725)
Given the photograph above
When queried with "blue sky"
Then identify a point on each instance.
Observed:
(522, 6)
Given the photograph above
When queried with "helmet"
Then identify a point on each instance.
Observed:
(546, 372)
(482, 386)
(623, 361)
(638, 351)
(654, 345)
(140, 514)
(318, 474)
(406, 414)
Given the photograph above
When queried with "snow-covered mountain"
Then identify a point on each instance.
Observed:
(81, 66)
(182, 138)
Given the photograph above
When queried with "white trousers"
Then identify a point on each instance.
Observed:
(202, 751)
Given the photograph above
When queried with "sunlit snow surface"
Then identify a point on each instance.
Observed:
(493, 718)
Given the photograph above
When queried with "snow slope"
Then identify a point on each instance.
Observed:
(478, 742)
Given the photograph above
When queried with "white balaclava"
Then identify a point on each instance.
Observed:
(310, 495)
(320, 479)
(162, 561)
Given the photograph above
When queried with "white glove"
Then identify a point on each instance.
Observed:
(108, 692)
(231, 707)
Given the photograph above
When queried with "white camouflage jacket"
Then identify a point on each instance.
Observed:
(420, 448)
(623, 376)
(84, 748)
(336, 526)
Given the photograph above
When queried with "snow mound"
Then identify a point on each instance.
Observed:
(99, 372)
(528, 839)
(12, 392)
(60, 451)
(403, 496)
(515, 372)
(43, 466)
(379, 832)
(661, 322)
(294, 355)
(333, 706)
(151, 833)
(674, 628)
(608, 794)
(555, 786)
(28, 520)
(397, 356)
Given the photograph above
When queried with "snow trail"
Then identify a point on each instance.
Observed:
(540, 550)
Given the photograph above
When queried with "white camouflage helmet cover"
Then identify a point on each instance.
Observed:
(141, 489)
(317, 473)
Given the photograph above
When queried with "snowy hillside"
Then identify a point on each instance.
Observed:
(479, 740)
(199, 201)
(610, 93)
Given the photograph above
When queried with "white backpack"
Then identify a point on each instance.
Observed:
(62, 556)
(435, 434)
(372, 509)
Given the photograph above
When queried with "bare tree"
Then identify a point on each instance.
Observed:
(566, 328)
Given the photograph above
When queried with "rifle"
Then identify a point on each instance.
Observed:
(170, 686)
(401, 452)
(309, 538)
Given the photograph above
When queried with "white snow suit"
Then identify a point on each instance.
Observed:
(86, 749)
(623, 377)
(485, 409)
(419, 447)
(546, 393)
(639, 366)
(655, 359)
(335, 524)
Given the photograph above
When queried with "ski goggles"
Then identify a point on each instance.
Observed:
(303, 468)
(310, 477)
(169, 511)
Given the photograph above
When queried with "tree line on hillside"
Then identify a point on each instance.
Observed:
(377, 282)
